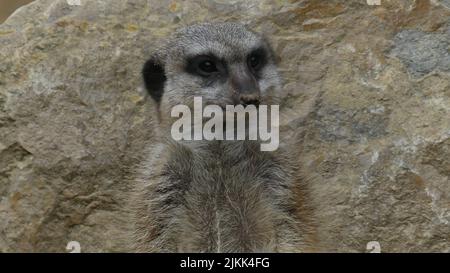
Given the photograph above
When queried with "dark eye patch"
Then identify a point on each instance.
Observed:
(204, 65)
(257, 59)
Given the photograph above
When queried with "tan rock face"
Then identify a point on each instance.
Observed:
(369, 100)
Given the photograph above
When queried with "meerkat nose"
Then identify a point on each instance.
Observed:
(244, 86)
(249, 99)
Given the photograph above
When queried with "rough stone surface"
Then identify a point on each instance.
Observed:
(369, 99)
(423, 52)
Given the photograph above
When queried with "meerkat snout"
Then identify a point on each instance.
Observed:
(250, 99)
(245, 88)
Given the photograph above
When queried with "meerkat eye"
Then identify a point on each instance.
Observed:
(256, 59)
(207, 66)
(253, 61)
(203, 65)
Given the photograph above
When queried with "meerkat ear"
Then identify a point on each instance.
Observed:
(154, 77)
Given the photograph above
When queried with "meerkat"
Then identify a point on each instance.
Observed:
(217, 196)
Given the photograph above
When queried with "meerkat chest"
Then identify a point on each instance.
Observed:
(231, 207)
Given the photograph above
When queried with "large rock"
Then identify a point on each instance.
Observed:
(369, 98)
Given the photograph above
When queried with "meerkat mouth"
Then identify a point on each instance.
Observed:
(229, 122)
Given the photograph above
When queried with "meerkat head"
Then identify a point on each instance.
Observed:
(224, 63)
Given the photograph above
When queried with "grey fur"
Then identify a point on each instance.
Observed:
(218, 196)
